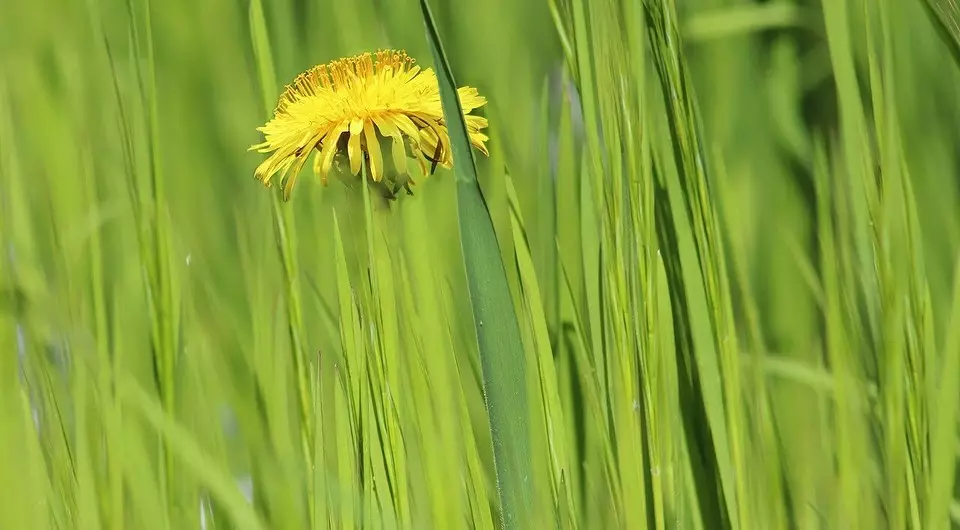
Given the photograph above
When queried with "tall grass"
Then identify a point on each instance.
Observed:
(707, 277)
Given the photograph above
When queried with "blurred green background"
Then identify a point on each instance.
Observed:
(164, 320)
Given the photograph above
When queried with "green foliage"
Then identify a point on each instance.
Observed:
(707, 277)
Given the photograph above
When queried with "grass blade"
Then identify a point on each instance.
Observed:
(498, 331)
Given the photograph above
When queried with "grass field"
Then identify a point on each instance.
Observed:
(705, 279)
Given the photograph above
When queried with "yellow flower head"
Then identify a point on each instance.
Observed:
(351, 108)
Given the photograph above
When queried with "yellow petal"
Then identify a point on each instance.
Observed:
(470, 99)
(281, 158)
(409, 74)
(386, 127)
(353, 145)
(477, 140)
(437, 145)
(265, 170)
(475, 123)
(330, 147)
(298, 161)
(420, 158)
(294, 173)
(406, 125)
(399, 155)
(356, 125)
(373, 148)
(428, 142)
(447, 155)
(317, 166)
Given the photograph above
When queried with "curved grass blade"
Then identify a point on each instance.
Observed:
(498, 331)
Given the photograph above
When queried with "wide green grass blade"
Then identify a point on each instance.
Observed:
(498, 332)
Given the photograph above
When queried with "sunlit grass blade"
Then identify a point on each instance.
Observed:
(694, 416)
(908, 332)
(848, 433)
(445, 431)
(767, 480)
(378, 312)
(694, 259)
(347, 394)
(268, 420)
(150, 196)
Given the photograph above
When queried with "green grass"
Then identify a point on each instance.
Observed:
(706, 279)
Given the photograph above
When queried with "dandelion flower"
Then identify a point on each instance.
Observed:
(356, 108)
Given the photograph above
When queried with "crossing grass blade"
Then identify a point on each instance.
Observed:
(498, 332)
